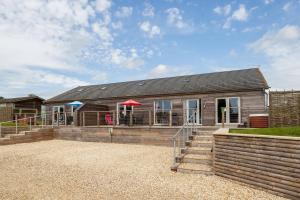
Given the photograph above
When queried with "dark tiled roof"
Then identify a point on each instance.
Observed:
(18, 99)
(237, 80)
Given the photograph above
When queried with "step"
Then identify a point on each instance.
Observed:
(204, 133)
(193, 168)
(203, 138)
(195, 158)
(197, 150)
(199, 143)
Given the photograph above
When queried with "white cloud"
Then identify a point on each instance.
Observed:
(117, 25)
(162, 70)
(223, 10)
(241, 14)
(175, 19)
(132, 61)
(103, 32)
(286, 7)
(124, 11)
(149, 10)
(150, 30)
(51, 42)
(103, 5)
(282, 49)
(268, 1)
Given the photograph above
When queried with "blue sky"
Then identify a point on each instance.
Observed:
(47, 47)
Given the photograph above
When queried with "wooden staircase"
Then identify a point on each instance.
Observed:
(197, 156)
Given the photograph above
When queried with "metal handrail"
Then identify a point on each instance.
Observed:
(31, 119)
(184, 133)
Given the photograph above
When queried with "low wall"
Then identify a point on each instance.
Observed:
(151, 136)
(29, 136)
(270, 163)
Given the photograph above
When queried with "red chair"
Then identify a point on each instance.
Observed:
(108, 119)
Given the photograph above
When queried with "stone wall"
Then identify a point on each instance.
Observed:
(269, 163)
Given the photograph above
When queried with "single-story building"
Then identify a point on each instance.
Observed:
(20, 107)
(172, 101)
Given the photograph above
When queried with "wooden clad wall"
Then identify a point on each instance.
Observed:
(6, 114)
(270, 163)
(285, 108)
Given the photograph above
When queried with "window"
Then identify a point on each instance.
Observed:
(193, 110)
(231, 109)
(162, 111)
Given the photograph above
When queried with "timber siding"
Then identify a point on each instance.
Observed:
(252, 102)
(267, 162)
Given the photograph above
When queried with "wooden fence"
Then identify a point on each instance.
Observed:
(284, 108)
(270, 163)
(6, 114)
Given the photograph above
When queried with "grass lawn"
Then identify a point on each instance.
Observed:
(286, 131)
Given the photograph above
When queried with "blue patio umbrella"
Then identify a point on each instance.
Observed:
(75, 103)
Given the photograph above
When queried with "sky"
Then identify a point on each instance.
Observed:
(47, 47)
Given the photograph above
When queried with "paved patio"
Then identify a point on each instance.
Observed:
(60, 169)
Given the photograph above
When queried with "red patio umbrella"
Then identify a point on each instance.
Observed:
(131, 102)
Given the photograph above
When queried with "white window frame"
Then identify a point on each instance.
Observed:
(118, 111)
(227, 110)
(199, 105)
(154, 108)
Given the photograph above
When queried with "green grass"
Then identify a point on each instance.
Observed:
(286, 131)
(13, 124)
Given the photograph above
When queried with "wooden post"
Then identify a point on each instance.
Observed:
(130, 118)
(98, 118)
(34, 120)
(83, 120)
(30, 128)
(149, 111)
(16, 124)
(223, 117)
(170, 118)
(114, 118)
(65, 115)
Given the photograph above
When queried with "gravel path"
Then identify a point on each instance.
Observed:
(79, 170)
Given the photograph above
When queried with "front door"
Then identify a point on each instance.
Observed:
(193, 111)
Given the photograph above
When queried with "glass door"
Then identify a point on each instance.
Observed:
(193, 111)
(123, 117)
(231, 106)
(58, 115)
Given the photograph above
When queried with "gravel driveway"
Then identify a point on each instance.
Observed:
(80, 170)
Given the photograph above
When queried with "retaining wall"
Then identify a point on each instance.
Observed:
(138, 135)
(29, 136)
(270, 163)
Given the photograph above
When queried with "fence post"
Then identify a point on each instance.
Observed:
(83, 118)
(0, 130)
(65, 115)
(16, 124)
(170, 118)
(30, 124)
(98, 118)
(149, 111)
(46, 120)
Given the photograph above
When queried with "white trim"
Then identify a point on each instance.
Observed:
(154, 107)
(228, 110)
(199, 115)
